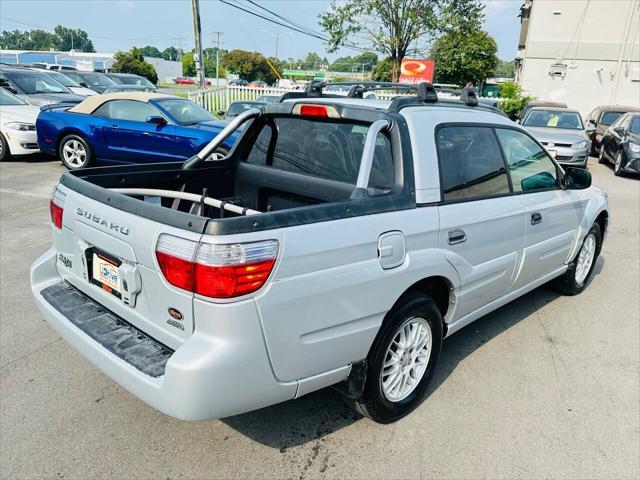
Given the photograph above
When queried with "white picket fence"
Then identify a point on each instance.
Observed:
(219, 99)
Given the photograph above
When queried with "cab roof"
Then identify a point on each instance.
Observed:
(89, 104)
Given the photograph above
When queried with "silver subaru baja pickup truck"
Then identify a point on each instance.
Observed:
(338, 243)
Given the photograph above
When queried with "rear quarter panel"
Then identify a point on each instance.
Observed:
(53, 125)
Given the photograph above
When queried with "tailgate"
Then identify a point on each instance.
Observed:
(109, 254)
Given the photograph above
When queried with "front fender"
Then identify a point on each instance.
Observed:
(596, 203)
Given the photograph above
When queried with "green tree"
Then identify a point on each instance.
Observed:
(75, 38)
(188, 65)
(513, 99)
(383, 71)
(505, 69)
(149, 51)
(170, 53)
(462, 57)
(250, 66)
(133, 62)
(392, 26)
(41, 40)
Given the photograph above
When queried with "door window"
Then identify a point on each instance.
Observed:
(529, 165)
(471, 164)
(127, 110)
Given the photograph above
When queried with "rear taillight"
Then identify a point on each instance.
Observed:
(216, 271)
(56, 207)
(315, 110)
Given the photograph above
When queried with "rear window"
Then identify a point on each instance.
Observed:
(609, 117)
(330, 150)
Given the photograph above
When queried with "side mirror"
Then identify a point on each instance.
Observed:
(220, 113)
(576, 178)
(84, 84)
(591, 128)
(157, 120)
(619, 130)
(593, 122)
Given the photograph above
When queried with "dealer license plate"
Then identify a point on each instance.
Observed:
(105, 273)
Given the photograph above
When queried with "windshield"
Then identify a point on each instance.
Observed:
(35, 82)
(237, 108)
(554, 119)
(140, 81)
(635, 125)
(609, 117)
(96, 79)
(7, 98)
(64, 80)
(185, 112)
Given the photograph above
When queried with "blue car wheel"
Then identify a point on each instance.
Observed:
(74, 152)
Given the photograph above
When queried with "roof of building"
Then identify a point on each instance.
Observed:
(89, 104)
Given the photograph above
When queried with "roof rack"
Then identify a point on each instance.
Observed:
(425, 93)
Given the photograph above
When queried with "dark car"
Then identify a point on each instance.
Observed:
(131, 79)
(128, 127)
(128, 88)
(620, 144)
(35, 87)
(96, 81)
(236, 108)
(601, 118)
(238, 82)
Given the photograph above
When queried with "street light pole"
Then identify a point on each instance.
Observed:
(217, 34)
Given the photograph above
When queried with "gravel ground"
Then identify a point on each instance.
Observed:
(546, 387)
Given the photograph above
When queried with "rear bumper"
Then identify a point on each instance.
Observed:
(221, 370)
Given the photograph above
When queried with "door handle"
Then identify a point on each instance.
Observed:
(457, 236)
(536, 218)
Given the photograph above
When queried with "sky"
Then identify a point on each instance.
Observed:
(120, 24)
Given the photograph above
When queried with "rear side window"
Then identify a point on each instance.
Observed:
(471, 164)
(529, 166)
(329, 150)
(127, 110)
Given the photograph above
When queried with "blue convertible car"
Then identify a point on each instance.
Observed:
(128, 127)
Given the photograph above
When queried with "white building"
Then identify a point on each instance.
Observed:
(167, 70)
(583, 52)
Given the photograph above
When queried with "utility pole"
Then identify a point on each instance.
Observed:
(195, 7)
(217, 34)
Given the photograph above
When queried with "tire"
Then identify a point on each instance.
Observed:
(601, 159)
(380, 401)
(579, 274)
(5, 153)
(617, 167)
(218, 154)
(74, 152)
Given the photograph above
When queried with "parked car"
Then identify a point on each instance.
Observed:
(96, 81)
(338, 244)
(601, 118)
(127, 127)
(268, 98)
(185, 81)
(53, 66)
(131, 79)
(17, 126)
(128, 88)
(238, 82)
(35, 87)
(236, 108)
(258, 84)
(539, 103)
(70, 83)
(621, 144)
(562, 132)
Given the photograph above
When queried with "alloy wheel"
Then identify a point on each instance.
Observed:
(406, 359)
(74, 153)
(585, 259)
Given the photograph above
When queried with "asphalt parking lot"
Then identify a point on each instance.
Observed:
(546, 387)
